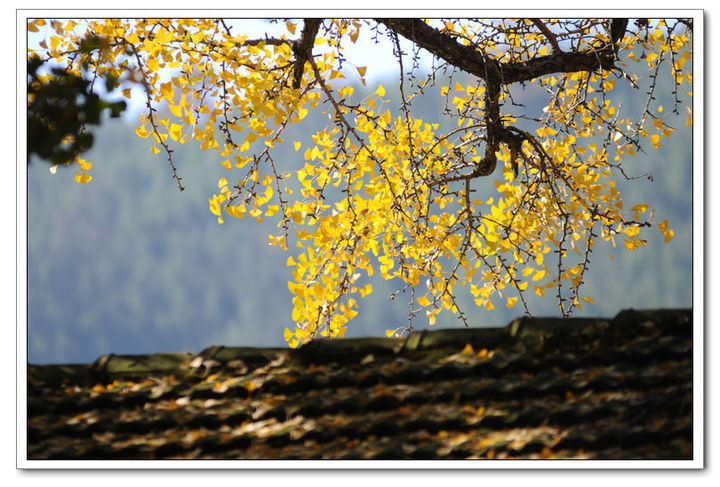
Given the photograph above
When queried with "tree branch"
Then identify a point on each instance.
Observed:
(475, 62)
(302, 48)
(548, 34)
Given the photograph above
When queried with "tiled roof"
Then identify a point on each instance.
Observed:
(538, 388)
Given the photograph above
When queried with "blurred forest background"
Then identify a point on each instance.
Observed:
(128, 264)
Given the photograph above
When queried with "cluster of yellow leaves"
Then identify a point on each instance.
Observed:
(377, 190)
(82, 176)
(595, 115)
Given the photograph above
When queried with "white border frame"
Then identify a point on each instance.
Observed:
(699, 435)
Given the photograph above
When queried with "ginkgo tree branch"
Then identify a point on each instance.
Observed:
(552, 39)
(399, 201)
(302, 48)
(351, 128)
(475, 62)
(499, 74)
(153, 123)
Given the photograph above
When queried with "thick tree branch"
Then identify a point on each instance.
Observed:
(496, 75)
(302, 48)
(442, 45)
(617, 29)
(475, 62)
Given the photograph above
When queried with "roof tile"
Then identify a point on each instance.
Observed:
(538, 388)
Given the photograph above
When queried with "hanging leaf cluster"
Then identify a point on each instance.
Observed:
(380, 191)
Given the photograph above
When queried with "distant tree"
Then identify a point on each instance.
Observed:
(389, 190)
(61, 106)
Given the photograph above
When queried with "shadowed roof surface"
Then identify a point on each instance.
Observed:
(537, 388)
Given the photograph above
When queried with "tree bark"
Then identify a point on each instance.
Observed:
(302, 48)
(473, 61)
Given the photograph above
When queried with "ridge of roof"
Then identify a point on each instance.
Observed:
(344, 350)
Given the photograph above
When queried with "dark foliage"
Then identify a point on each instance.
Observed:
(61, 106)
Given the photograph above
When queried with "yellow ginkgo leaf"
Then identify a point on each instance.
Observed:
(142, 132)
(175, 110)
(84, 165)
(82, 178)
(175, 131)
(539, 275)
(655, 139)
